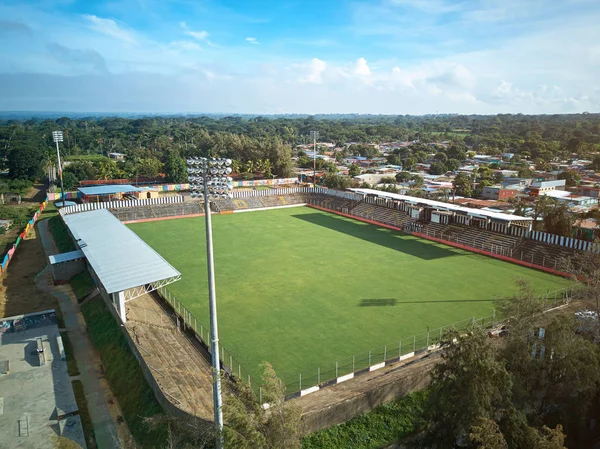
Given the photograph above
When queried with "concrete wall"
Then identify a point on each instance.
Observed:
(409, 378)
(63, 272)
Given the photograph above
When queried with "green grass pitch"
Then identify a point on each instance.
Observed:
(302, 288)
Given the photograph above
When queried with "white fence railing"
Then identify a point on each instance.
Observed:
(118, 204)
(568, 242)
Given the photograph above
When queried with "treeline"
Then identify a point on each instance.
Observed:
(167, 140)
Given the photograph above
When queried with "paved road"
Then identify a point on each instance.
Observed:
(94, 385)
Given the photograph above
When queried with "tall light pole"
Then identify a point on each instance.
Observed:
(57, 136)
(314, 135)
(208, 178)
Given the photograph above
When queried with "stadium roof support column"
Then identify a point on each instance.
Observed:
(119, 302)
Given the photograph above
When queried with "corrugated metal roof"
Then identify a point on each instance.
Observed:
(118, 256)
(108, 190)
(66, 257)
(448, 206)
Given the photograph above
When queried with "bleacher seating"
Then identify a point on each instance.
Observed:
(382, 214)
(543, 254)
(158, 211)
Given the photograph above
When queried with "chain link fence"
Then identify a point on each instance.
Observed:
(330, 372)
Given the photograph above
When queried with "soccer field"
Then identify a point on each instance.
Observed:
(302, 288)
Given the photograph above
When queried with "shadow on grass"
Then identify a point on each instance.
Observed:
(380, 236)
(386, 302)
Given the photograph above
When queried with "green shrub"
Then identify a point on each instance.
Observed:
(19, 215)
(82, 284)
(378, 428)
(84, 414)
(124, 374)
(60, 234)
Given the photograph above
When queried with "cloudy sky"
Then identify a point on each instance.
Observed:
(300, 56)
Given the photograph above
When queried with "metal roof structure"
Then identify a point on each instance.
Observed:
(121, 260)
(443, 206)
(66, 257)
(108, 190)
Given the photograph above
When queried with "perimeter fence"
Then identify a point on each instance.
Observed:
(345, 368)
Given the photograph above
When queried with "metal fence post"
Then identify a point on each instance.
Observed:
(369, 358)
(400, 350)
(260, 395)
(385, 353)
(318, 375)
(414, 342)
(336, 369)
(239, 371)
(300, 382)
(427, 345)
(353, 363)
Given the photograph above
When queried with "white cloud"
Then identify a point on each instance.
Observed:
(110, 28)
(198, 35)
(310, 73)
(361, 68)
(252, 40)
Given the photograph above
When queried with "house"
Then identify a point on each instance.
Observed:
(498, 193)
(542, 187)
(117, 156)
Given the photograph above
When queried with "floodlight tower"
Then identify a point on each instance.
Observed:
(57, 136)
(314, 135)
(208, 177)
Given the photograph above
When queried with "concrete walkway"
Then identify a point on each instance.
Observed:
(97, 391)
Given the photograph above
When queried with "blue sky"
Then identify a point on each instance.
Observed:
(378, 56)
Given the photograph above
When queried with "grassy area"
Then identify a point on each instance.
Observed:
(302, 288)
(71, 363)
(84, 414)
(87, 158)
(124, 374)
(60, 234)
(378, 428)
(82, 284)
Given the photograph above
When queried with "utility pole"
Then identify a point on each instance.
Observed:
(57, 136)
(315, 136)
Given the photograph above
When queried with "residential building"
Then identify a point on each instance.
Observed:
(498, 193)
(543, 187)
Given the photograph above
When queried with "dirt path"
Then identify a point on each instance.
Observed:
(102, 405)
(18, 293)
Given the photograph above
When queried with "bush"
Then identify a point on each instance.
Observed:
(380, 427)
(19, 215)
(60, 234)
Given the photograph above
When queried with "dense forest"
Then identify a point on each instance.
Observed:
(161, 144)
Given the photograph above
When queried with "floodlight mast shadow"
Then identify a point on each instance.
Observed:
(57, 136)
(208, 177)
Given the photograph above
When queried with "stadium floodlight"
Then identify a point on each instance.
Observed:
(209, 178)
(314, 135)
(57, 136)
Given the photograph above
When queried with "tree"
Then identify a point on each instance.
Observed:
(149, 167)
(388, 180)
(571, 177)
(249, 425)
(175, 168)
(354, 170)
(69, 181)
(559, 220)
(486, 434)
(468, 385)
(408, 164)
(417, 181)
(437, 168)
(441, 157)
(596, 163)
(403, 176)
(107, 169)
(81, 170)
(462, 185)
(453, 164)
(25, 158)
(334, 181)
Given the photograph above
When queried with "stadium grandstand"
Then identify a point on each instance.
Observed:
(123, 265)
